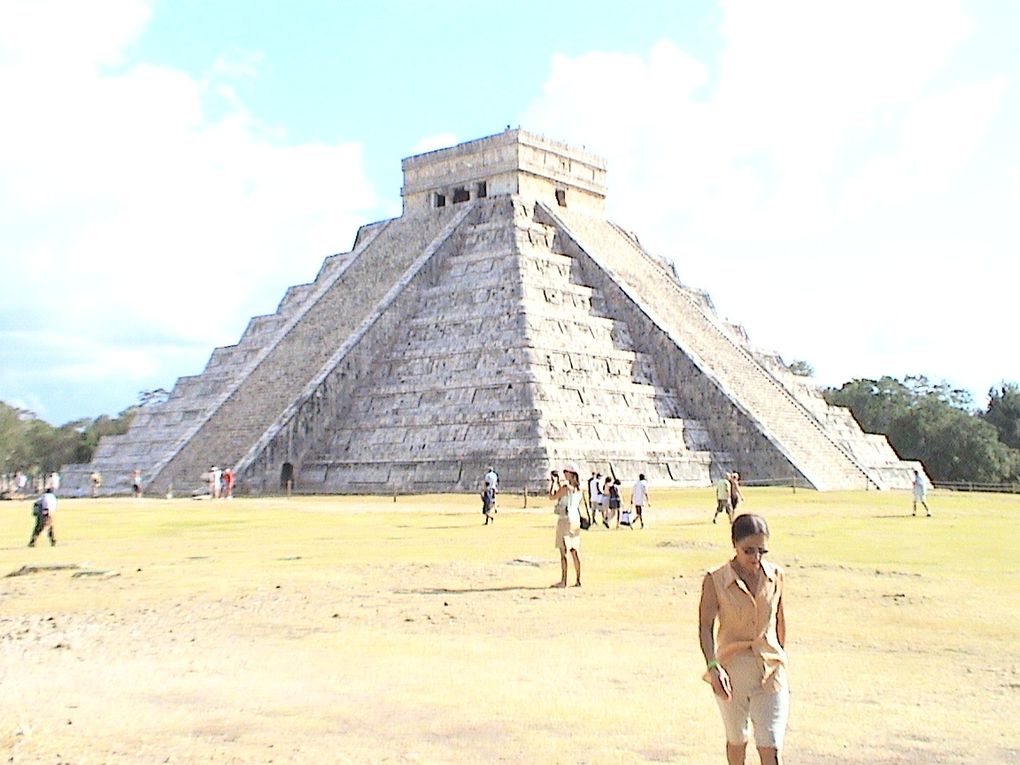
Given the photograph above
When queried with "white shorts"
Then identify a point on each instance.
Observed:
(765, 709)
(564, 539)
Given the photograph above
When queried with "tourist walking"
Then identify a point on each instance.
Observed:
(614, 503)
(723, 502)
(921, 493)
(491, 479)
(96, 481)
(593, 495)
(136, 483)
(489, 505)
(568, 495)
(489, 483)
(640, 500)
(736, 497)
(44, 509)
(214, 482)
(746, 659)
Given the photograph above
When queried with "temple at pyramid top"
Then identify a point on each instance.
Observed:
(511, 162)
(501, 321)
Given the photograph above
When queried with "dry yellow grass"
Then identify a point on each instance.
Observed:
(360, 630)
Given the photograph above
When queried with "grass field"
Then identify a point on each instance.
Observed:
(366, 630)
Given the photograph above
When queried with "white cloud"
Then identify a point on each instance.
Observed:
(128, 212)
(937, 138)
(810, 176)
(1013, 181)
(45, 34)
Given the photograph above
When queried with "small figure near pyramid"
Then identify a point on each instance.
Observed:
(490, 482)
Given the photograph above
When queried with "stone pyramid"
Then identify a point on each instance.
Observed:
(500, 320)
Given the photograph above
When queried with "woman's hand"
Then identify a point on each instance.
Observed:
(721, 683)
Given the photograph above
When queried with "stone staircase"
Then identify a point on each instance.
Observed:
(344, 293)
(505, 360)
(157, 432)
(683, 315)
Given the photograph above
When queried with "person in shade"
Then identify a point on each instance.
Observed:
(568, 495)
(746, 658)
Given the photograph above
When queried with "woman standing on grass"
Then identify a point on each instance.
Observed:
(568, 520)
(747, 661)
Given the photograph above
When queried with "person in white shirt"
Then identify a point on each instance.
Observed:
(215, 474)
(491, 479)
(920, 493)
(44, 509)
(639, 499)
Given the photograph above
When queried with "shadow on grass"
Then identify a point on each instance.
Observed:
(465, 590)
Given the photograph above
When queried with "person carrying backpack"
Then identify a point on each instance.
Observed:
(43, 510)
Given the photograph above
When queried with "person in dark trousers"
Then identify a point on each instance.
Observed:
(614, 503)
(736, 496)
(43, 510)
(489, 504)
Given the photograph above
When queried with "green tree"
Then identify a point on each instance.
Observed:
(1003, 413)
(931, 422)
(801, 368)
(875, 404)
(15, 453)
(30, 444)
(953, 445)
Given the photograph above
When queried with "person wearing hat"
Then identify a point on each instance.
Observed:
(568, 495)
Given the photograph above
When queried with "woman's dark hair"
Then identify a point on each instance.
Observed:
(747, 525)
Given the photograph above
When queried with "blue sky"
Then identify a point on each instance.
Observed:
(841, 177)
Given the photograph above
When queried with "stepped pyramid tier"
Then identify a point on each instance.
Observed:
(500, 320)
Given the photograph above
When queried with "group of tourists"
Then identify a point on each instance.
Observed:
(16, 484)
(19, 483)
(742, 630)
(221, 482)
(727, 496)
(604, 497)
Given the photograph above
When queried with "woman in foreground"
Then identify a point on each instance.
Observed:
(747, 660)
(568, 520)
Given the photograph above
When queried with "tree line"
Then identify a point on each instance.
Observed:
(931, 422)
(940, 426)
(35, 447)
